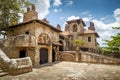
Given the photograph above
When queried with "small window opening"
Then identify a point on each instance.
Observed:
(27, 32)
(89, 39)
(22, 53)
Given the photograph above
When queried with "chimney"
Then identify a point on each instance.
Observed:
(58, 27)
(91, 26)
(45, 20)
(31, 14)
(28, 9)
(33, 7)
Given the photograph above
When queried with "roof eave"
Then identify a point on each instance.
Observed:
(52, 27)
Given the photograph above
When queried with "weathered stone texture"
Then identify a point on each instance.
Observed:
(15, 66)
(86, 57)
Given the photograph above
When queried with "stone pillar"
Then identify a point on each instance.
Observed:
(50, 54)
(37, 58)
(76, 57)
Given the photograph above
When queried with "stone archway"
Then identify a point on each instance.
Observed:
(67, 57)
(43, 56)
(74, 28)
(44, 39)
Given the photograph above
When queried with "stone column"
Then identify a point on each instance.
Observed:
(37, 56)
(50, 54)
(76, 57)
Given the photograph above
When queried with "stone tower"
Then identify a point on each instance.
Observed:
(30, 14)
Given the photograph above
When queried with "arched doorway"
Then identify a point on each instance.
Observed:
(74, 28)
(43, 55)
(53, 55)
(61, 46)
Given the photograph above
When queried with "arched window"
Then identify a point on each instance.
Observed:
(75, 28)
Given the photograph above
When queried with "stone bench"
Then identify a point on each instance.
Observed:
(20, 65)
(15, 66)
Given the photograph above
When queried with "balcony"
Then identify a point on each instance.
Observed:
(24, 41)
(20, 41)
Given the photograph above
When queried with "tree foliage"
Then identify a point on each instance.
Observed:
(79, 42)
(114, 43)
(9, 12)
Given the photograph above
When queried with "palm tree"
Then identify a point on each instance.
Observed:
(79, 43)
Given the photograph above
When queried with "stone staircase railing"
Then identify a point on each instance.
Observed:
(96, 58)
(15, 66)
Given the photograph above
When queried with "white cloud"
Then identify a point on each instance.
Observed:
(86, 19)
(57, 10)
(103, 18)
(57, 3)
(42, 8)
(117, 14)
(70, 2)
(105, 30)
(72, 17)
(85, 13)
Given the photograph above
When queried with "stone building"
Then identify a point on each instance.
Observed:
(40, 41)
(34, 38)
(74, 29)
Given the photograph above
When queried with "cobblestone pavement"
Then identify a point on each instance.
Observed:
(70, 71)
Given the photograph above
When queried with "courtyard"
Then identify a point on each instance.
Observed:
(69, 71)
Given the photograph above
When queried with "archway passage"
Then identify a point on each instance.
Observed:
(22, 54)
(43, 56)
(53, 55)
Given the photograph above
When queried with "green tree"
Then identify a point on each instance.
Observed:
(9, 12)
(114, 43)
(79, 43)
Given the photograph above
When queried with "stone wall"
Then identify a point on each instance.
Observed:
(13, 45)
(21, 29)
(92, 44)
(85, 57)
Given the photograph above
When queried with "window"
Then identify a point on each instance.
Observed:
(22, 53)
(75, 28)
(89, 39)
(27, 32)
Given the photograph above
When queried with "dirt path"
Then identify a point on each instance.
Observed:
(70, 71)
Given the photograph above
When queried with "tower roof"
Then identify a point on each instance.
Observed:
(76, 21)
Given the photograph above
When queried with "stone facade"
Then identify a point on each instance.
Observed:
(40, 41)
(74, 29)
(33, 37)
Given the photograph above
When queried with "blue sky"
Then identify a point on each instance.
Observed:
(104, 13)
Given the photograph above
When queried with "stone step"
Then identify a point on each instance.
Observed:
(3, 74)
(1, 71)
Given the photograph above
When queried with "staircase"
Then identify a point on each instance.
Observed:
(3, 73)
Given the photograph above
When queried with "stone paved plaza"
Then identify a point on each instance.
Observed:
(70, 71)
